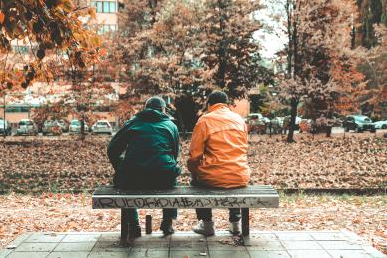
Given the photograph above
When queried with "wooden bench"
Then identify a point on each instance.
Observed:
(185, 197)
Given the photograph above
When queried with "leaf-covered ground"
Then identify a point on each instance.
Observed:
(72, 212)
(55, 164)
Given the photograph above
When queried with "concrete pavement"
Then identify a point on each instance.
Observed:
(340, 244)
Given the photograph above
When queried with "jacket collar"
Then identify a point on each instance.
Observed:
(216, 107)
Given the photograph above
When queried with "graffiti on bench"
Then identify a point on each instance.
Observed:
(181, 202)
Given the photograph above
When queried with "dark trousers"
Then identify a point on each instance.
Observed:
(167, 215)
(205, 214)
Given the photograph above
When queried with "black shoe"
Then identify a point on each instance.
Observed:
(166, 227)
(134, 231)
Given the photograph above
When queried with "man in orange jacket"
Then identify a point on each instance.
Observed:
(218, 157)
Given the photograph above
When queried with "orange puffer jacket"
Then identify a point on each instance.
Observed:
(218, 151)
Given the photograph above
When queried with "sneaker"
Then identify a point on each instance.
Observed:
(166, 227)
(235, 228)
(205, 228)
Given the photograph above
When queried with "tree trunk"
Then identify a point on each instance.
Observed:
(293, 112)
(83, 128)
(222, 48)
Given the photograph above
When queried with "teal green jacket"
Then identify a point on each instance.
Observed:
(150, 141)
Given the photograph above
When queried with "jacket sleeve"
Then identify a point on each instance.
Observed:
(118, 145)
(196, 149)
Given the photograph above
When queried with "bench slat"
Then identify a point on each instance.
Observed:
(107, 197)
(186, 190)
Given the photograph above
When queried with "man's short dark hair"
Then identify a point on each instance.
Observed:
(217, 97)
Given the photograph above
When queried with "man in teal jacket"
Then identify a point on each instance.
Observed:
(150, 141)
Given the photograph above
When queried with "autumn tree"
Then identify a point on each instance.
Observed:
(45, 27)
(182, 53)
(371, 12)
(229, 51)
(320, 63)
(374, 67)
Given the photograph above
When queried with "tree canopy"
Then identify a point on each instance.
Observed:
(46, 28)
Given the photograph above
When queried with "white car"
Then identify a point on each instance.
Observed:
(5, 127)
(102, 126)
(256, 116)
(26, 127)
(381, 124)
(75, 127)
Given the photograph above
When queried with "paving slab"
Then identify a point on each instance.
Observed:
(68, 255)
(309, 253)
(5, 252)
(152, 253)
(228, 253)
(108, 255)
(349, 254)
(294, 236)
(330, 236)
(28, 255)
(18, 241)
(75, 247)
(282, 244)
(265, 246)
(36, 247)
(191, 245)
(269, 254)
(187, 254)
(301, 245)
(261, 237)
(81, 238)
(109, 246)
(339, 245)
(45, 238)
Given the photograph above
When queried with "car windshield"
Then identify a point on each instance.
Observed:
(363, 119)
(102, 123)
(76, 122)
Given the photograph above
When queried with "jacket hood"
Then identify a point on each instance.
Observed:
(151, 115)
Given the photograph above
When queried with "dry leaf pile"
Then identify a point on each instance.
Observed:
(357, 161)
(72, 212)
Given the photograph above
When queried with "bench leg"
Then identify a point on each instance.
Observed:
(148, 224)
(245, 222)
(124, 226)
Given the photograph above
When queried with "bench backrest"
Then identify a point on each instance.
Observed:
(186, 197)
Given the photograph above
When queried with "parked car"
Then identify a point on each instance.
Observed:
(102, 126)
(265, 120)
(358, 123)
(53, 127)
(381, 124)
(276, 125)
(75, 127)
(27, 127)
(5, 127)
(253, 116)
(255, 123)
